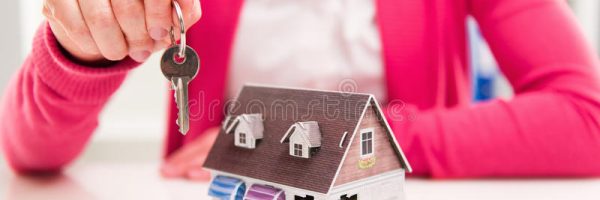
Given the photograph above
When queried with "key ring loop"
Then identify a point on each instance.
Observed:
(182, 43)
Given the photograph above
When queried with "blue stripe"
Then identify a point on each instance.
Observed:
(222, 187)
(225, 185)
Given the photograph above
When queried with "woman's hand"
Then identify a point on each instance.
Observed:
(97, 30)
(187, 161)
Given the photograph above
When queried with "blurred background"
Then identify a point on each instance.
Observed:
(136, 114)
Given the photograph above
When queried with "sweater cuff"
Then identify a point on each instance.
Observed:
(75, 82)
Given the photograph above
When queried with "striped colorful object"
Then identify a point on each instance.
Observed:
(263, 192)
(227, 188)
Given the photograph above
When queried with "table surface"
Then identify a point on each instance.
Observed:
(141, 181)
(129, 171)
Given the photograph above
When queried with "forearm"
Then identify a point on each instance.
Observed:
(51, 106)
(537, 134)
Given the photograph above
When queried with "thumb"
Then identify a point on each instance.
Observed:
(191, 11)
(161, 16)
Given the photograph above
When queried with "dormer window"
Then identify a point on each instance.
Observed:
(304, 139)
(247, 129)
(298, 150)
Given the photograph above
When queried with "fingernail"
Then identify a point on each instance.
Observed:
(158, 33)
(140, 56)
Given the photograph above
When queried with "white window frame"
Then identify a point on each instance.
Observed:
(366, 130)
(299, 151)
(245, 138)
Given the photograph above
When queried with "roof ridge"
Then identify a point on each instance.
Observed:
(299, 88)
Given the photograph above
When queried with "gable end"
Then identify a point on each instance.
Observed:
(384, 155)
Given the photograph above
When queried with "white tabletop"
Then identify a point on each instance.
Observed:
(141, 181)
(103, 178)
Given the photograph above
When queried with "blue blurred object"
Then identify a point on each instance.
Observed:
(484, 71)
(227, 188)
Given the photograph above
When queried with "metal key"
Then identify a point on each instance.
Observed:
(180, 74)
(180, 65)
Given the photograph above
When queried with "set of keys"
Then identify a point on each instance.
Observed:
(180, 64)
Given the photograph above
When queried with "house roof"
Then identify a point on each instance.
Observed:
(335, 112)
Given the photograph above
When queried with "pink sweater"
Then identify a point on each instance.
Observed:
(550, 128)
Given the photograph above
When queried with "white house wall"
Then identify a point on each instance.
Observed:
(289, 191)
(297, 138)
(387, 186)
(250, 140)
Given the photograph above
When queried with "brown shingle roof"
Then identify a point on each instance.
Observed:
(334, 111)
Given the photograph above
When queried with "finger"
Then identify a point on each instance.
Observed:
(176, 165)
(181, 157)
(159, 45)
(191, 12)
(197, 173)
(69, 45)
(194, 170)
(131, 18)
(180, 168)
(68, 15)
(199, 146)
(104, 28)
(190, 155)
(172, 171)
(186, 151)
(158, 18)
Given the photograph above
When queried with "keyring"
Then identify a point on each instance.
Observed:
(182, 44)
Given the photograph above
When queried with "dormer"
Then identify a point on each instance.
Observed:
(304, 139)
(247, 129)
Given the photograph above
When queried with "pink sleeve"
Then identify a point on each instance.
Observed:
(51, 106)
(552, 125)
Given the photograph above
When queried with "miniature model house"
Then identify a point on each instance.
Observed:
(294, 144)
